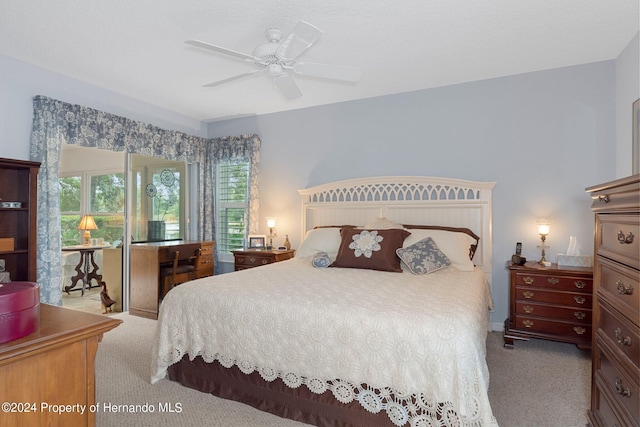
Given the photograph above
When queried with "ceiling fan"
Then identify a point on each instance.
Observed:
(278, 58)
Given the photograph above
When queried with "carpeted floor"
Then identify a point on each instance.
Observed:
(539, 383)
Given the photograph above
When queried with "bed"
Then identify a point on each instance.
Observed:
(368, 341)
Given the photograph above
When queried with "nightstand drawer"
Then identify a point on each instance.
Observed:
(564, 329)
(620, 238)
(256, 258)
(549, 302)
(570, 299)
(564, 283)
(576, 315)
(252, 260)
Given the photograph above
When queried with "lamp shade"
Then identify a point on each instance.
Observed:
(271, 221)
(87, 223)
(544, 227)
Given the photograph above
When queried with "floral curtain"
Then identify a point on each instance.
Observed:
(56, 121)
(245, 148)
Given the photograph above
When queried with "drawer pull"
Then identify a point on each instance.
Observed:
(580, 330)
(265, 261)
(579, 315)
(528, 280)
(553, 280)
(603, 199)
(527, 323)
(624, 392)
(528, 309)
(628, 239)
(527, 294)
(626, 341)
(624, 289)
(252, 260)
(580, 300)
(580, 284)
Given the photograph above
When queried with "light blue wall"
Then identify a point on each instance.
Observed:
(20, 82)
(543, 137)
(627, 91)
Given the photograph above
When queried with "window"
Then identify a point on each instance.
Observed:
(232, 191)
(158, 193)
(100, 195)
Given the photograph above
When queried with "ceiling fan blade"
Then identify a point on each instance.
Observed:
(230, 79)
(287, 86)
(301, 38)
(223, 50)
(326, 71)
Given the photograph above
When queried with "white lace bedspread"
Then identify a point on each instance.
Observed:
(415, 341)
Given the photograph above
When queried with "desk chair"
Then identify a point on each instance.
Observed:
(179, 271)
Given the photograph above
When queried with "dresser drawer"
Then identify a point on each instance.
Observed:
(565, 329)
(605, 415)
(625, 197)
(621, 288)
(562, 283)
(205, 262)
(622, 387)
(619, 238)
(576, 315)
(621, 333)
(205, 266)
(608, 411)
(207, 249)
(570, 299)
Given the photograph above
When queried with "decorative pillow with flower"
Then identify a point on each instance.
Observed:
(423, 257)
(370, 249)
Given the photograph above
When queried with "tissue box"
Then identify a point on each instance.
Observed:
(574, 260)
(5, 277)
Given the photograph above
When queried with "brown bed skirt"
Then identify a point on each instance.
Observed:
(299, 404)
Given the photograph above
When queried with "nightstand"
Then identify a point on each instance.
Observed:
(551, 303)
(256, 257)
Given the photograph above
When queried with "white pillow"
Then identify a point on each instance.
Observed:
(320, 240)
(455, 245)
(382, 223)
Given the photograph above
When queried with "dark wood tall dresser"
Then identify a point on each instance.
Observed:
(615, 383)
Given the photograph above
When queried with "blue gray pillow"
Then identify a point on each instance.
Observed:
(321, 260)
(423, 257)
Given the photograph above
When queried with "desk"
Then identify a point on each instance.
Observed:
(145, 287)
(86, 262)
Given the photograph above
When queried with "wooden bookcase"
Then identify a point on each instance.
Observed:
(18, 183)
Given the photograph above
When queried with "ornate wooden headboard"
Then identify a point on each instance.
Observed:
(419, 200)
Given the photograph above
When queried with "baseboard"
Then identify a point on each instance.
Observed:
(497, 326)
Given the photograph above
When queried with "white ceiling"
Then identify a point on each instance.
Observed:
(137, 47)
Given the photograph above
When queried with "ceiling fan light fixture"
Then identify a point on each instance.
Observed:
(266, 52)
(274, 70)
(274, 35)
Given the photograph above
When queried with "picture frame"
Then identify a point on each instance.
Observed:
(257, 241)
(635, 118)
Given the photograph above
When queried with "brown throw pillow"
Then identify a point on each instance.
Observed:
(370, 249)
